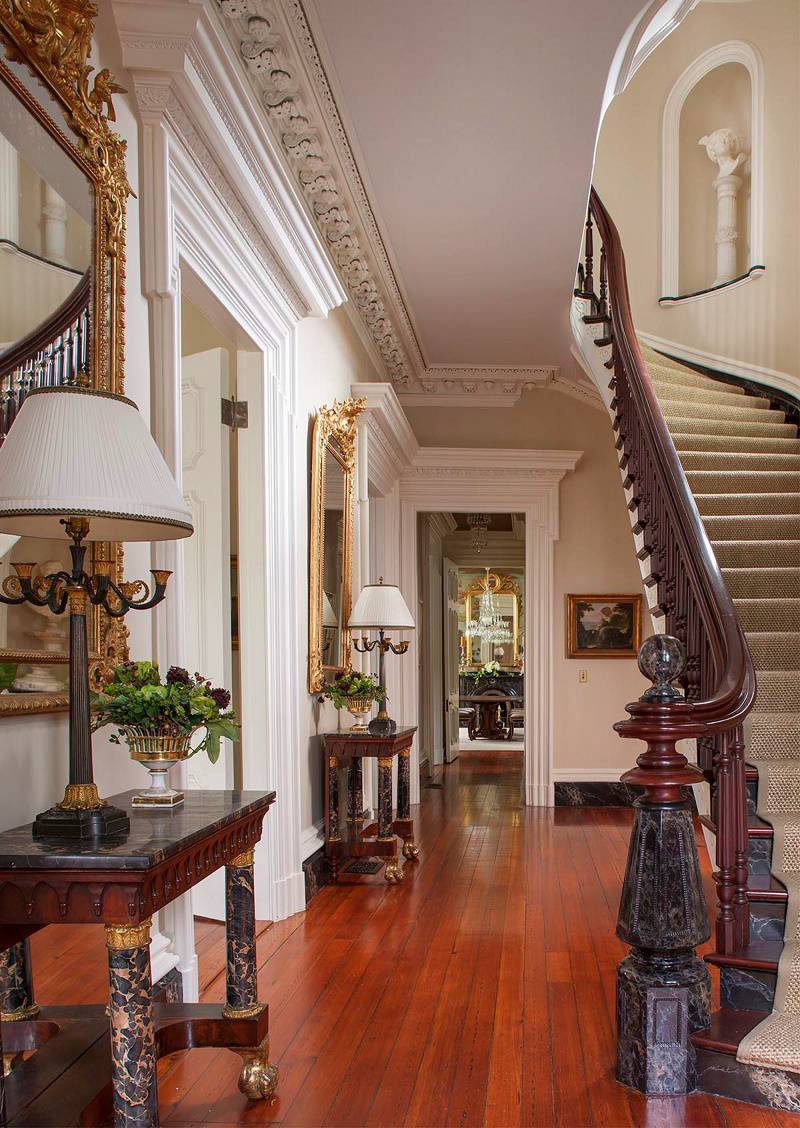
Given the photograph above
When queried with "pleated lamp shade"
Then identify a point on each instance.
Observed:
(79, 452)
(381, 607)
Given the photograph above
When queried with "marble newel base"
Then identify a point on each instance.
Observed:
(663, 989)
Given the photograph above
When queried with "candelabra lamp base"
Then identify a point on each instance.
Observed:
(81, 814)
(382, 725)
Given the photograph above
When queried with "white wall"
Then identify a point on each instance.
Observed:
(330, 357)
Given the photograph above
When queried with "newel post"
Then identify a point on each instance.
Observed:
(663, 988)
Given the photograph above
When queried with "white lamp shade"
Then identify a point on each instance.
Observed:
(79, 452)
(381, 607)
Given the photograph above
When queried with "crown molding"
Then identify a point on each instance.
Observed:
(275, 43)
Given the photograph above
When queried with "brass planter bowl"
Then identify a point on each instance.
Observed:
(360, 707)
(158, 749)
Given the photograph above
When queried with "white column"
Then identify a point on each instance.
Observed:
(725, 149)
(54, 226)
(9, 191)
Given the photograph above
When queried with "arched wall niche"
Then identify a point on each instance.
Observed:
(722, 88)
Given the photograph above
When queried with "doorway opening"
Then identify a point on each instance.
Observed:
(472, 605)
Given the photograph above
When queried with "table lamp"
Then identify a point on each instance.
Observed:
(380, 607)
(81, 462)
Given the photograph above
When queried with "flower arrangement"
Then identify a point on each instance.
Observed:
(136, 697)
(491, 670)
(353, 685)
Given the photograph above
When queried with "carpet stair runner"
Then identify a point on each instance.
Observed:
(742, 460)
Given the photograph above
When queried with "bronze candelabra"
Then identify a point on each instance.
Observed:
(81, 813)
(382, 725)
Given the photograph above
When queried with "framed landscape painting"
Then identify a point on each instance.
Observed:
(604, 626)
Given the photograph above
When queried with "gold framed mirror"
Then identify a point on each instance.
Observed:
(63, 191)
(505, 592)
(330, 587)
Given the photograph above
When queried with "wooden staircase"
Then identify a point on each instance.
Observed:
(720, 446)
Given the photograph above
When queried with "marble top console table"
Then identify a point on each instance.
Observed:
(87, 1069)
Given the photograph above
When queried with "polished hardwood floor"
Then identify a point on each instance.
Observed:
(478, 992)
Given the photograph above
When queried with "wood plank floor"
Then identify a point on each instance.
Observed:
(478, 992)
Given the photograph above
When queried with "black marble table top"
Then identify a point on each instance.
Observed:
(154, 834)
(401, 731)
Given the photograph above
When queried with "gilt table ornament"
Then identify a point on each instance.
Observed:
(158, 721)
(355, 692)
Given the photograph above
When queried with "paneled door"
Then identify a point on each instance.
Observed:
(451, 654)
(207, 566)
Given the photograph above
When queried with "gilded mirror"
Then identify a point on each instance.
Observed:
(330, 588)
(505, 592)
(63, 189)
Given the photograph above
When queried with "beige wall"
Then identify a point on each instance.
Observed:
(330, 357)
(594, 554)
(755, 323)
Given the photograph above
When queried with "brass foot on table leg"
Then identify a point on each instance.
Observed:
(410, 849)
(258, 1079)
(393, 873)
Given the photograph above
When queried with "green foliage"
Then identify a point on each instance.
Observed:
(136, 696)
(353, 684)
(491, 670)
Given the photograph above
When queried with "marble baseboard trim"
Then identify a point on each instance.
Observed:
(169, 988)
(598, 793)
(724, 1076)
(315, 871)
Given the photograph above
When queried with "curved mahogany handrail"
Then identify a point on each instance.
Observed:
(43, 335)
(734, 694)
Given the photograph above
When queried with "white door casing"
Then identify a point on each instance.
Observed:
(450, 623)
(206, 562)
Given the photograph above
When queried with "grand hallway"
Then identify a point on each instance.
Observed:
(480, 991)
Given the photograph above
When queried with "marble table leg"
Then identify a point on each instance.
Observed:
(133, 1057)
(410, 848)
(393, 873)
(258, 1079)
(16, 992)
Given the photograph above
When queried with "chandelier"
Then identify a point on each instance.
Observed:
(479, 523)
(489, 625)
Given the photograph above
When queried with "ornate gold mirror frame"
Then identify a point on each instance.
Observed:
(498, 585)
(51, 39)
(334, 434)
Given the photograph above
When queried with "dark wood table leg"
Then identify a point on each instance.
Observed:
(406, 826)
(133, 1057)
(393, 873)
(258, 1078)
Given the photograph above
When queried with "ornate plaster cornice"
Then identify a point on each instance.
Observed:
(276, 44)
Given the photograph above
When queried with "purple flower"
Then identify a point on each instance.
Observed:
(176, 675)
(222, 699)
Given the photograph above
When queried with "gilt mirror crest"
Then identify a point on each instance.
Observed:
(63, 191)
(333, 471)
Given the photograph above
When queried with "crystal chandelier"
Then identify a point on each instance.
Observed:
(479, 523)
(489, 625)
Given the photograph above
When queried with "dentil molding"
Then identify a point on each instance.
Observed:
(276, 45)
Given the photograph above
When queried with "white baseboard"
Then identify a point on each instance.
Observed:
(588, 775)
(191, 981)
(769, 377)
(539, 795)
(290, 895)
(311, 839)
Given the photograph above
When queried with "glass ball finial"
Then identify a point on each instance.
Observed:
(662, 659)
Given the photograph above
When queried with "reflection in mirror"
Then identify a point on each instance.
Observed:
(33, 632)
(333, 558)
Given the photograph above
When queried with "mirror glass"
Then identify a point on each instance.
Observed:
(333, 508)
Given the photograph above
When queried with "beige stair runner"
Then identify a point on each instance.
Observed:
(742, 460)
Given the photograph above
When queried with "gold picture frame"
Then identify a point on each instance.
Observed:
(334, 436)
(499, 584)
(604, 626)
(51, 39)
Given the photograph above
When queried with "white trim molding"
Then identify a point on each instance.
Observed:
(732, 51)
(588, 775)
(449, 479)
(760, 374)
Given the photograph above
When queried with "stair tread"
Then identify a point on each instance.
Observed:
(759, 955)
(765, 887)
(726, 1030)
(758, 828)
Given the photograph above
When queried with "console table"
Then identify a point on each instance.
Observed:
(82, 1071)
(347, 838)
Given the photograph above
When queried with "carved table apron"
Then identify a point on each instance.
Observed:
(86, 1065)
(352, 840)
